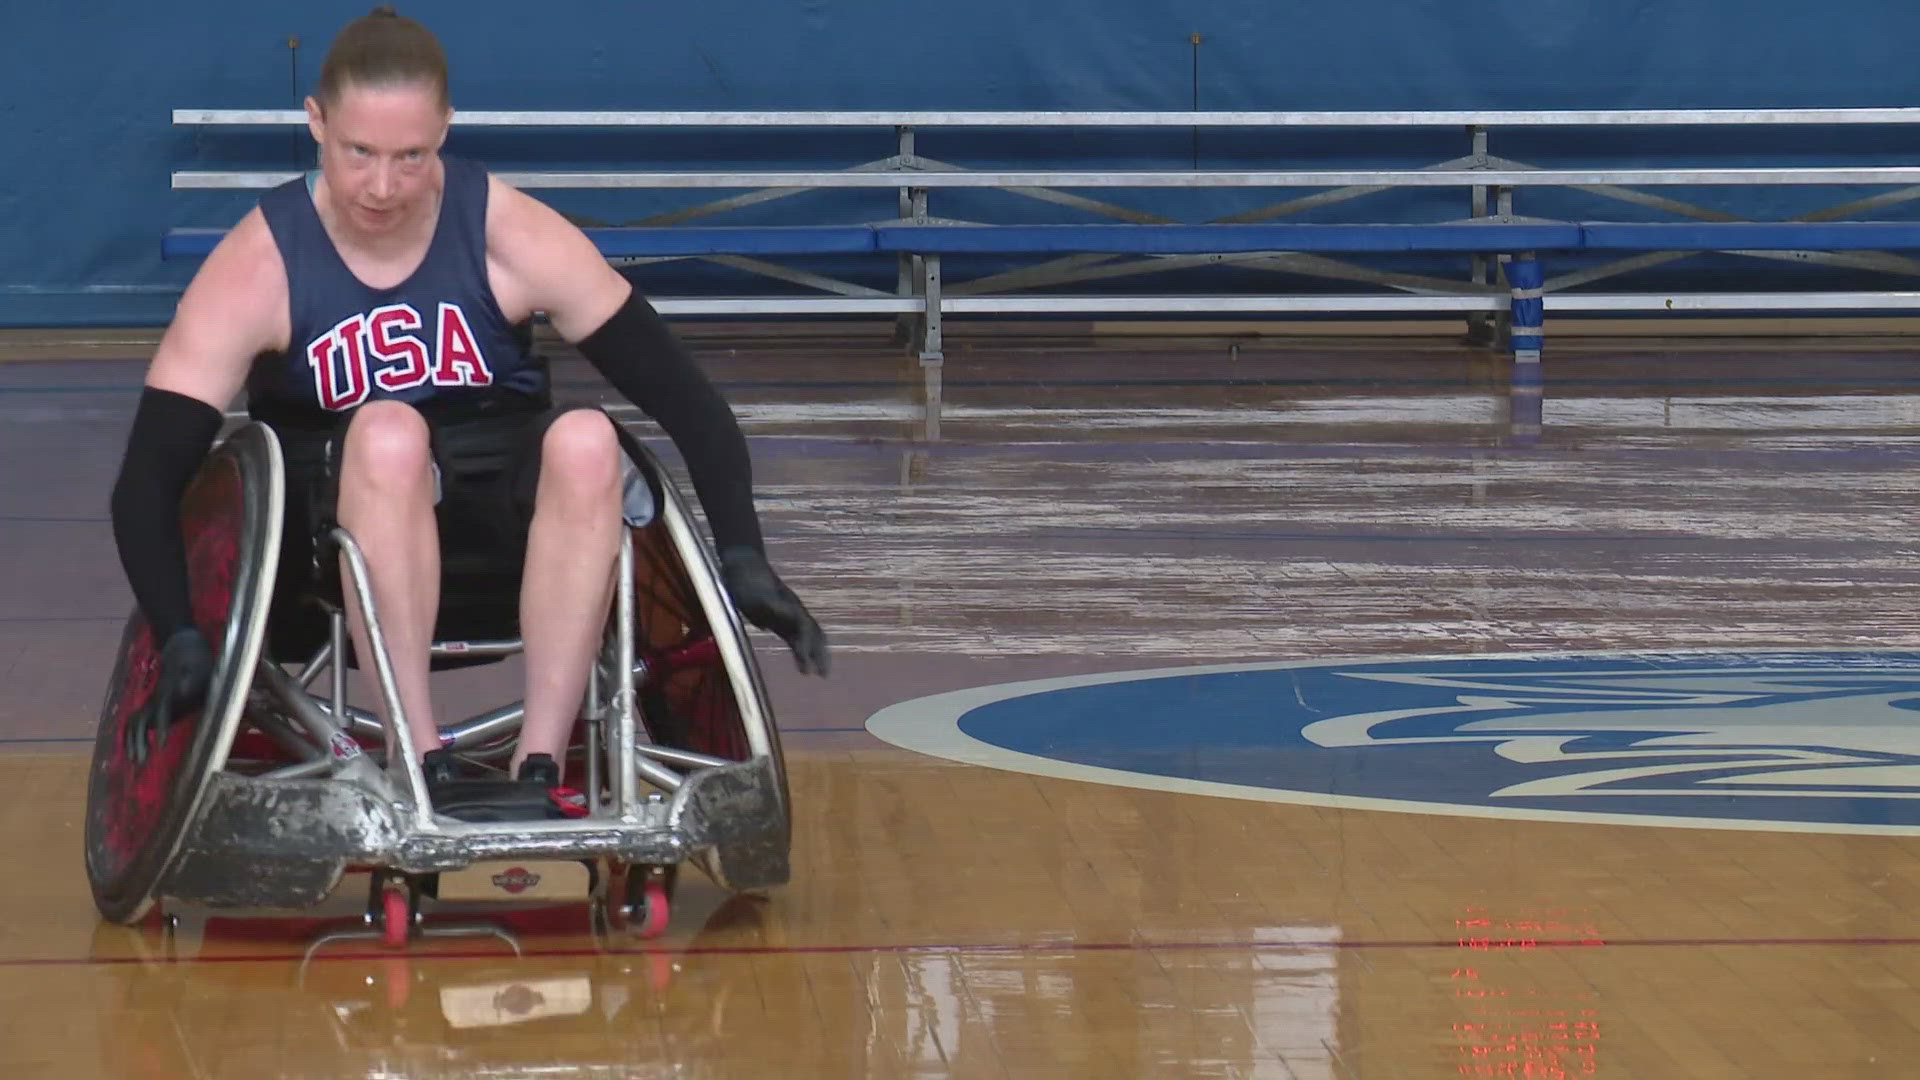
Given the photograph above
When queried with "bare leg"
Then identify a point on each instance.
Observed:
(571, 547)
(386, 503)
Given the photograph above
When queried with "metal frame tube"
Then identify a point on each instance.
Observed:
(682, 757)
(399, 737)
(317, 663)
(320, 766)
(487, 725)
(337, 632)
(317, 722)
(485, 648)
(289, 736)
(596, 723)
(625, 756)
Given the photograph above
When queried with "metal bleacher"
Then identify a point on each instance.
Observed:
(1501, 279)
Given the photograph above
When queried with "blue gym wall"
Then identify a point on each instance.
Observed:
(86, 143)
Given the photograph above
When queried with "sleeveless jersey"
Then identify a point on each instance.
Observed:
(436, 340)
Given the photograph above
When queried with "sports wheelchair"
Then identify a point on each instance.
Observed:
(272, 792)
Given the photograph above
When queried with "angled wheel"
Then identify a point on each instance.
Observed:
(138, 814)
(701, 689)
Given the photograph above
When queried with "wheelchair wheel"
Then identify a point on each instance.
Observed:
(702, 689)
(139, 814)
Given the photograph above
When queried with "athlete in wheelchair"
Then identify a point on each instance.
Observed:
(406, 497)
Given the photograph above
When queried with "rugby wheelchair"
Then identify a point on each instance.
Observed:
(274, 791)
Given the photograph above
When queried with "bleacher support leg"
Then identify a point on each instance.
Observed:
(913, 207)
(931, 347)
(1527, 278)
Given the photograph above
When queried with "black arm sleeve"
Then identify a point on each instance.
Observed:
(646, 363)
(171, 434)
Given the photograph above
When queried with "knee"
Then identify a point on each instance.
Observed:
(580, 455)
(387, 445)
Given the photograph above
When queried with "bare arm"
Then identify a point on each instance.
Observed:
(235, 309)
(539, 261)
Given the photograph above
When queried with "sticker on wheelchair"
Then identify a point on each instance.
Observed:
(520, 881)
(342, 747)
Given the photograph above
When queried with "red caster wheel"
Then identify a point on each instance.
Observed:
(652, 910)
(396, 919)
(390, 902)
(644, 906)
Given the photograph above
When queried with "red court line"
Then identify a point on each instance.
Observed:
(1471, 945)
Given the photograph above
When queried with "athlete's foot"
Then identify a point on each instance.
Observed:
(532, 794)
(539, 769)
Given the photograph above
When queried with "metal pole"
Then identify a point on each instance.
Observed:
(1479, 327)
(399, 737)
(626, 796)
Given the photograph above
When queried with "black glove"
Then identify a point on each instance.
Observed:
(766, 602)
(186, 667)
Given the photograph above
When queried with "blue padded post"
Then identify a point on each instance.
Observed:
(1527, 279)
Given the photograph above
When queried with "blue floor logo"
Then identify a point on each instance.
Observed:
(1811, 741)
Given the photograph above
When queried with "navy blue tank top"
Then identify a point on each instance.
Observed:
(437, 340)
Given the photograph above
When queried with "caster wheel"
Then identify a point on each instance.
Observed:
(645, 906)
(396, 918)
(652, 910)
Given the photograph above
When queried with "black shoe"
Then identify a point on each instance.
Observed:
(440, 767)
(491, 798)
(540, 769)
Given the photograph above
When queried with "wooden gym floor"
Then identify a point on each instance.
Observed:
(1151, 876)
